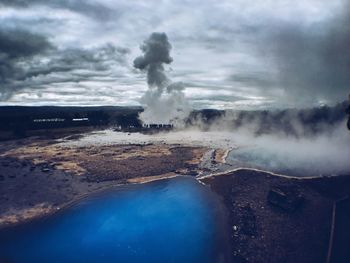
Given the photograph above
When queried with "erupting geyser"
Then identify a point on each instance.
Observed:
(164, 101)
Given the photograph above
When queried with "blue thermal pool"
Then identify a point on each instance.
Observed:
(176, 220)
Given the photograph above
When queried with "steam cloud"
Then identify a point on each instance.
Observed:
(308, 142)
(164, 101)
(324, 154)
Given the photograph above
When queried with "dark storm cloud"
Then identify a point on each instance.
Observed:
(17, 46)
(98, 59)
(88, 8)
(313, 63)
(17, 43)
(29, 60)
(266, 51)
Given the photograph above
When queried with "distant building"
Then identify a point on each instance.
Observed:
(49, 120)
(158, 126)
(80, 119)
(145, 127)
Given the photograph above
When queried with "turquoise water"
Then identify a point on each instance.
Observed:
(176, 220)
(259, 157)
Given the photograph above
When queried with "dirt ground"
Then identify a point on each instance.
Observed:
(38, 177)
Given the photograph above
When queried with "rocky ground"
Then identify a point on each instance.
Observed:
(279, 219)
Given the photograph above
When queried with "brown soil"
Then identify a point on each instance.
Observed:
(220, 155)
(38, 177)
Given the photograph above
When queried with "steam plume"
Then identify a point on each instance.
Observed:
(164, 101)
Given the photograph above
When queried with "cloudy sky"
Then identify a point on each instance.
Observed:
(228, 53)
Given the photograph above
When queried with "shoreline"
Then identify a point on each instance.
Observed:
(264, 171)
(142, 180)
(41, 177)
(145, 180)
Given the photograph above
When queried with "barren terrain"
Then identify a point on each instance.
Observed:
(38, 177)
(272, 217)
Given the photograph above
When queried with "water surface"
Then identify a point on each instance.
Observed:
(176, 220)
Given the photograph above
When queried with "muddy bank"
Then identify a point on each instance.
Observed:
(38, 177)
(279, 219)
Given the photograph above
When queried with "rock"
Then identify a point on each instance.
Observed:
(284, 198)
(12, 176)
